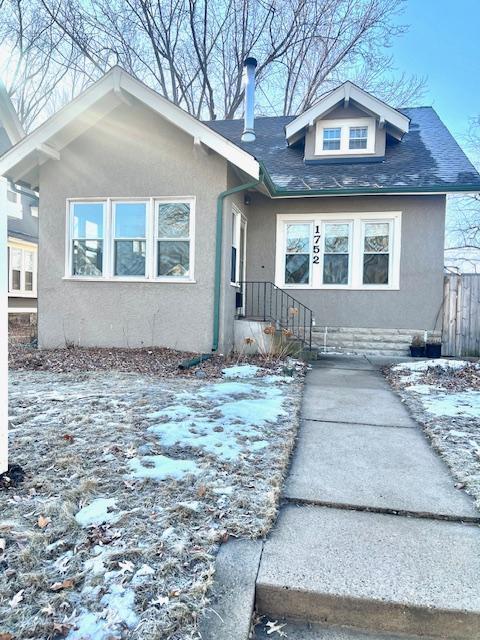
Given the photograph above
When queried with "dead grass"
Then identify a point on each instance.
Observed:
(74, 434)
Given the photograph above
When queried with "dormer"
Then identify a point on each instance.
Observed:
(346, 125)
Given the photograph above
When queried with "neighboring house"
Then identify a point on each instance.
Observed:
(151, 221)
(20, 204)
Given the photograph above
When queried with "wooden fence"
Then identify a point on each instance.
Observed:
(461, 315)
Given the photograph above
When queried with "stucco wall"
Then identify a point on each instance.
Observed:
(414, 306)
(132, 152)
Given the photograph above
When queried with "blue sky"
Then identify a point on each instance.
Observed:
(443, 44)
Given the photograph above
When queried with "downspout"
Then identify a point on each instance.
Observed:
(218, 253)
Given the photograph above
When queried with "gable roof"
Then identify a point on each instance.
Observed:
(346, 92)
(427, 160)
(115, 87)
(9, 122)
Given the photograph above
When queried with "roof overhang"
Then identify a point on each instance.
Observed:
(9, 118)
(346, 92)
(22, 161)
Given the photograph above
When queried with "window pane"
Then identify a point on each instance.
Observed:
(336, 238)
(376, 237)
(358, 144)
(16, 280)
(28, 260)
(233, 265)
(130, 257)
(130, 219)
(173, 258)
(375, 268)
(331, 139)
(87, 258)
(298, 238)
(15, 258)
(88, 220)
(297, 268)
(28, 281)
(335, 269)
(173, 220)
(358, 137)
(358, 132)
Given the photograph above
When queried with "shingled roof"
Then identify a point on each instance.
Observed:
(427, 159)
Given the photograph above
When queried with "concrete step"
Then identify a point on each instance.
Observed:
(383, 573)
(365, 352)
(346, 338)
(372, 331)
(308, 631)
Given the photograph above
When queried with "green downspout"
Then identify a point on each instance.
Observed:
(218, 253)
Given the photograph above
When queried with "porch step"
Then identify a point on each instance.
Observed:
(370, 571)
(307, 631)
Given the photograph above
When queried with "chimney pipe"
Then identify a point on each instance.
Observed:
(248, 134)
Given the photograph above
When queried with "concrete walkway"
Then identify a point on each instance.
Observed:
(373, 534)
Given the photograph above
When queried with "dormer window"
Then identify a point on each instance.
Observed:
(345, 137)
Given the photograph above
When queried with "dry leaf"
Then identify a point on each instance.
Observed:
(48, 610)
(3, 544)
(43, 521)
(61, 628)
(68, 437)
(6, 636)
(202, 490)
(66, 584)
(17, 598)
(126, 566)
(274, 627)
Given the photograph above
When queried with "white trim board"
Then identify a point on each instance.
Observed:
(47, 141)
(357, 221)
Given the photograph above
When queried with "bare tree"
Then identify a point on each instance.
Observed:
(463, 228)
(192, 51)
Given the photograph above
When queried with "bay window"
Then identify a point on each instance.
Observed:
(148, 239)
(338, 251)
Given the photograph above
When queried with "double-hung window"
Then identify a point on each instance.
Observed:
(87, 243)
(173, 240)
(130, 245)
(331, 138)
(298, 248)
(149, 239)
(22, 271)
(336, 253)
(338, 250)
(358, 138)
(376, 253)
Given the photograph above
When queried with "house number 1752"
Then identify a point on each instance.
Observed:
(316, 245)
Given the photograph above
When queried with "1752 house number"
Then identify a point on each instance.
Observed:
(316, 245)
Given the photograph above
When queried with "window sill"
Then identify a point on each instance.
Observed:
(133, 280)
(22, 294)
(338, 288)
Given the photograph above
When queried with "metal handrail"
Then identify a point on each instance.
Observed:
(263, 300)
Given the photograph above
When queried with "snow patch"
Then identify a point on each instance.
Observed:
(241, 371)
(97, 512)
(161, 467)
(463, 403)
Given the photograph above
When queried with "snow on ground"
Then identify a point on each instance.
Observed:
(444, 395)
(132, 483)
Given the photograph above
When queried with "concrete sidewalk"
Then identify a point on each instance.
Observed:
(373, 534)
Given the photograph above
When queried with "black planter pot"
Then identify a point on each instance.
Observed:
(433, 350)
(417, 352)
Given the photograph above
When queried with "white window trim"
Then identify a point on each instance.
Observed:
(344, 126)
(108, 240)
(22, 292)
(238, 219)
(357, 220)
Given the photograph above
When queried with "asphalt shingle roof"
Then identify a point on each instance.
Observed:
(427, 157)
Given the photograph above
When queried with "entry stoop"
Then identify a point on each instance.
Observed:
(373, 572)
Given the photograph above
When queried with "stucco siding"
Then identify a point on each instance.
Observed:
(130, 153)
(416, 305)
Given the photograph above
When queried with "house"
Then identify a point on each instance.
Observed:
(159, 229)
(20, 204)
